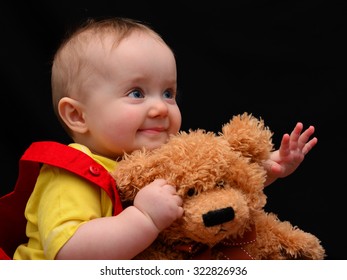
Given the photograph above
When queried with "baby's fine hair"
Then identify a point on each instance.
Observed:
(72, 62)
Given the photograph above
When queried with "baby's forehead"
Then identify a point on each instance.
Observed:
(106, 45)
(111, 37)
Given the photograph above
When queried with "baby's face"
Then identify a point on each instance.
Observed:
(131, 97)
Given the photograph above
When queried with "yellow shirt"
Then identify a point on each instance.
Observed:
(60, 203)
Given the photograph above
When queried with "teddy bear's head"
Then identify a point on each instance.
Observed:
(219, 176)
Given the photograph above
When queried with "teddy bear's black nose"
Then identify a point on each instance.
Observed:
(219, 216)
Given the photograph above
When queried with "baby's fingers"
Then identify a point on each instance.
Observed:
(295, 135)
(303, 143)
(309, 145)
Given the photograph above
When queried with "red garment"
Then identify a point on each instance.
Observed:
(12, 205)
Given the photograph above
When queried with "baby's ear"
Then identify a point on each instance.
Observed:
(71, 112)
(249, 135)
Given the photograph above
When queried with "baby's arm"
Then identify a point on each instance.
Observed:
(123, 236)
(291, 153)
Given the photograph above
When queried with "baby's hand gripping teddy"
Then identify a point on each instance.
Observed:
(221, 180)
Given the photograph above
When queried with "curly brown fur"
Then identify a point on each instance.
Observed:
(216, 174)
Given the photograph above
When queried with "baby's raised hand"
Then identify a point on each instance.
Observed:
(159, 201)
(291, 153)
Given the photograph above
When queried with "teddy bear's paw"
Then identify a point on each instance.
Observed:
(281, 240)
(307, 247)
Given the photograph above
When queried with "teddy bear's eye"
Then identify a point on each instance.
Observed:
(191, 192)
(220, 184)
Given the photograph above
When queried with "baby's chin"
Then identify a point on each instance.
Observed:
(152, 146)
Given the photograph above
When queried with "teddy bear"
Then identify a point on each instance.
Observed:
(220, 178)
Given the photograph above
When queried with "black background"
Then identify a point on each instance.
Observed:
(283, 61)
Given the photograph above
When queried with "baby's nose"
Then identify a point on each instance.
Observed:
(158, 108)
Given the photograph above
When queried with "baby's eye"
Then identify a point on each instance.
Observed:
(136, 94)
(168, 94)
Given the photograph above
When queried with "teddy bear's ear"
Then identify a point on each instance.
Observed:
(130, 173)
(249, 135)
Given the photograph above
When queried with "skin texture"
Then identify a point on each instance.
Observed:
(126, 101)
